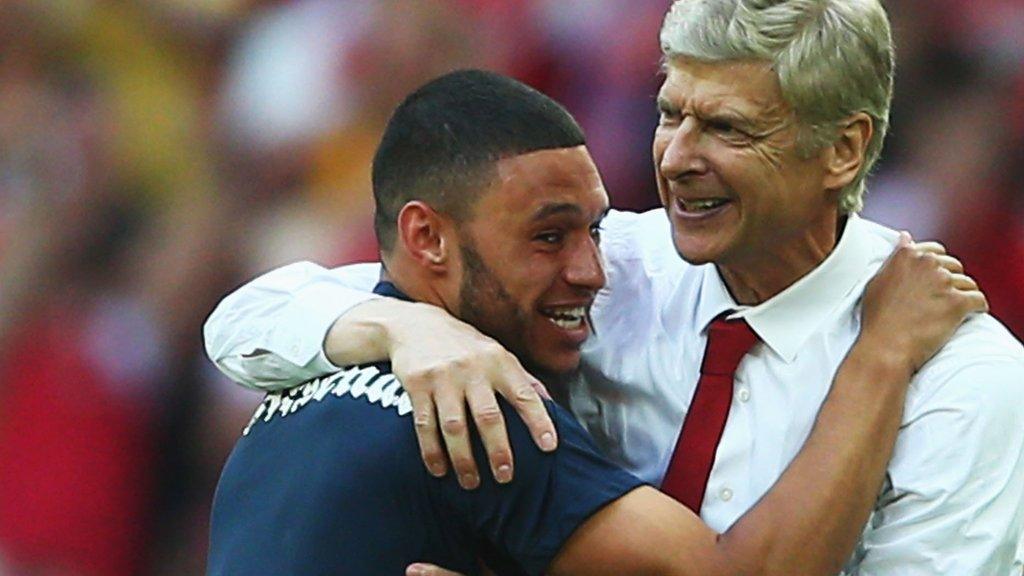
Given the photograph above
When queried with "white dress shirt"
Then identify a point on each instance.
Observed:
(953, 501)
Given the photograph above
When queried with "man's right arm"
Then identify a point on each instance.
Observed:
(269, 334)
(303, 321)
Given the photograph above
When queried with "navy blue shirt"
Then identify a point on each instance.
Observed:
(327, 479)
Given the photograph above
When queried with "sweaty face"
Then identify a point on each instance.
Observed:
(530, 258)
(736, 190)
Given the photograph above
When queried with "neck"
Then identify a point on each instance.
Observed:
(415, 287)
(767, 274)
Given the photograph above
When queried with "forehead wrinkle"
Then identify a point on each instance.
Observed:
(735, 88)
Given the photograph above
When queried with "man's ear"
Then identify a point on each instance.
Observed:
(425, 235)
(845, 156)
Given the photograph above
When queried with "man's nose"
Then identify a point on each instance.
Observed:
(586, 268)
(684, 154)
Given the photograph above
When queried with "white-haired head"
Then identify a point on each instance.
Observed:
(834, 58)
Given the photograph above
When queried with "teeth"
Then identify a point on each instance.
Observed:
(702, 205)
(567, 318)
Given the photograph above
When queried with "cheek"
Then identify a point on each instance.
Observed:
(768, 156)
(658, 146)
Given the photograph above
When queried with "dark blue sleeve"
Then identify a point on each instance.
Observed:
(529, 520)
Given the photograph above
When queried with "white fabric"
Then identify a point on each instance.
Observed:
(954, 497)
(269, 334)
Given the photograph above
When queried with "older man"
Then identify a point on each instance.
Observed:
(772, 113)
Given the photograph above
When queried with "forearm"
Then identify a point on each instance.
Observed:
(365, 333)
(269, 333)
(811, 519)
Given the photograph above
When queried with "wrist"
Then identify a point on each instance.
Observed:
(405, 323)
(365, 333)
(881, 361)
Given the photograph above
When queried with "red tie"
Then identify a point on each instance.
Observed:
(688, 472)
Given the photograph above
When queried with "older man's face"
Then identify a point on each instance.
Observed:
(729, 175)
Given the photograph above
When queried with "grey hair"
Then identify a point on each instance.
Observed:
(834, 58)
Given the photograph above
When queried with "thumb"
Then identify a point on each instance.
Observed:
(905, 239)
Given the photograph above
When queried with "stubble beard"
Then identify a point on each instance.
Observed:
(482, 299)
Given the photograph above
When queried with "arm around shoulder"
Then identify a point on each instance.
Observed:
(269, 333)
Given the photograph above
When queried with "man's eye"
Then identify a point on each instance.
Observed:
(725, 129)
(549, 237)
(595, 233)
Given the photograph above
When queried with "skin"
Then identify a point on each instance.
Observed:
(725, 132)
(530, 245)
(542, 230)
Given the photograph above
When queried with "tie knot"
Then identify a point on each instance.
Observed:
(728, 342)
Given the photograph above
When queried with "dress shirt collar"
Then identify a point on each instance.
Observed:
(785, 321)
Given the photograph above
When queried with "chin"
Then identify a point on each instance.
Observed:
(554, 366)
(696, 256)
(698, 251)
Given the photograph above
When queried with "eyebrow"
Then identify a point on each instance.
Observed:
(726, 113)
(549, 210)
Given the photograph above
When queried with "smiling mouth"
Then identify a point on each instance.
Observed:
(566, 317)
(702, 205)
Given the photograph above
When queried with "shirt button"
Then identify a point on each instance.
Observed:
(743, 394)
(725, 494)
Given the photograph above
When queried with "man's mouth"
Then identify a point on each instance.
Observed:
(566, 317)
(702, 205)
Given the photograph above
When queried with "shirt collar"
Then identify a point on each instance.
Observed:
(785, 321)
(386, 288)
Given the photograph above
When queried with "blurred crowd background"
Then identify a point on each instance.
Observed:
(154, 154)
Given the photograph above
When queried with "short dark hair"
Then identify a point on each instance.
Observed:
(442, 142)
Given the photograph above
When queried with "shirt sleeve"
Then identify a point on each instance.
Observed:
(269, 333)
(954, 501)
(529, 520)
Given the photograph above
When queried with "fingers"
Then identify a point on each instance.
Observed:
(491, 426)
(428, 570)
(451, 414)
(520, 390)
(427, 433)
(976, 302)
(964, 282)
(541, 390)
(905, 239)
(930, 247)
(950, 263)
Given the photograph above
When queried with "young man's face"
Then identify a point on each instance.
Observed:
(530, 257)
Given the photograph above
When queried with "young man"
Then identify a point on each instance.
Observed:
(489, 207)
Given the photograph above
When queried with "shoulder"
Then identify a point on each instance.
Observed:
(644, 236)
(964, 418)
(643, 267)
(981, 367)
